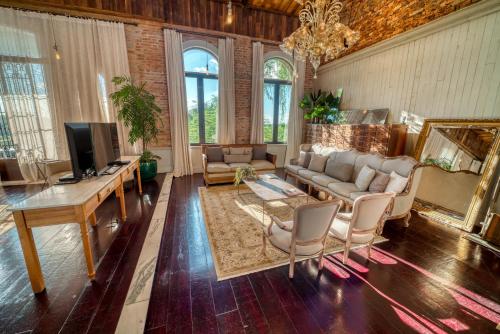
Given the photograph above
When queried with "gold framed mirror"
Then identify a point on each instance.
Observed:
(460, 158)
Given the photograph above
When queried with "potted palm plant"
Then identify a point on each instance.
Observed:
(139, 112)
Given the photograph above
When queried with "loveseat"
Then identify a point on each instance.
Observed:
(339, 175)
(221, 161)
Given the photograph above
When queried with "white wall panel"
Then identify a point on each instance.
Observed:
(450, 68)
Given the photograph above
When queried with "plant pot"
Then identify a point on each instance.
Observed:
(149, 170)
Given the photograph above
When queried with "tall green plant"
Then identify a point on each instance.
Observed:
(322, 106)
(139, 112)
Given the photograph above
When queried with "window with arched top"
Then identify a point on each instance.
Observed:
(278, 75)
(201, 69)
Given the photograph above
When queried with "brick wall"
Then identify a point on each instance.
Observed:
(380, 20)
(386, 139)
(147, 64)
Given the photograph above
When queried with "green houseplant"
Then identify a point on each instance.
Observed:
(139, 112)
(321, 107)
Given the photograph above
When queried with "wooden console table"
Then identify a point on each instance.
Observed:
(65, 204)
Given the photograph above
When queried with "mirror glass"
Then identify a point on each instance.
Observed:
(458, 148)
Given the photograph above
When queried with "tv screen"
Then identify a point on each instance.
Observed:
(80, 147)
(106, 146)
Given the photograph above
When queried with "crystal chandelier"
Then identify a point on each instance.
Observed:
(320, 33)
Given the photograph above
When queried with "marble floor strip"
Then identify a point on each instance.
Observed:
(134, 312)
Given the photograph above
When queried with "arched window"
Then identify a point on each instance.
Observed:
(201, 68)
(278, 74)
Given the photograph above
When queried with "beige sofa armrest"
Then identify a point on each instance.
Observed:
(205, 162)
(58, 167)
(271, 158)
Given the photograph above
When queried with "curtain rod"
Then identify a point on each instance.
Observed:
(55, 12)
(216, 34)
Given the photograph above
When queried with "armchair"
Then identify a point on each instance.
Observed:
(369, 213)
(306, 234)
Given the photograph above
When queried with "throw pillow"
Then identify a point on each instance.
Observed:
(240, 150)
(214, 154)
(317, 163)
(397, 183)
(339, 170)
(304, 158)
(259, 153)
(364, 178)
(233, 158)
(379, 183)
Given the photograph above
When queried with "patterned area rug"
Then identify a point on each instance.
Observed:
(234, 227)
(6, 219)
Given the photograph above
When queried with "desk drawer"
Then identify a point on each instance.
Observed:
(126, 173)
(108, 189)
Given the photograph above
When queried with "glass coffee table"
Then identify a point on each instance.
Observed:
(269, 188)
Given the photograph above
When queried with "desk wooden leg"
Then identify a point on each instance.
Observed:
(87, 250)
(93, 219)
(139, 182)
(120, 195)
(30, 254)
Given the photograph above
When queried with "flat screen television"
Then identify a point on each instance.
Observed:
(92, 146)
(80, 147)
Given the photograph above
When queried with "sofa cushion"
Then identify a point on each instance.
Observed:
(304, 158)
(259, 152)
(316, 148)
(347, 157)
(379, 182)
(261, 164)
(371, 160)
(308, 174)
(357, 194)
(343, 188)
(317, 163)
(339, 170)
(364, 178)
(401, 165)
(324, 180)
(218, 167)
(240, 150)
(230, 158)
(397, 183)
(294, 169)
(214, 154)
(235, 165)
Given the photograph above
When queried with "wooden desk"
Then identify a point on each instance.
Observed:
(65, 204)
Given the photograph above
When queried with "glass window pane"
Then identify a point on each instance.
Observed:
(211, 96)
(284, 110)
(276, 68)
(268, 112)
(200, 61)
(192, 103)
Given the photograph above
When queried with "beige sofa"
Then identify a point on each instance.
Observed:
(347, 191)
(217, 171)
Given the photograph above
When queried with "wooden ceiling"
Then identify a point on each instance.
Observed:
(287, 7)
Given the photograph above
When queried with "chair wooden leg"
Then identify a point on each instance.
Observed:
(292, 265)
(406, 220)
(346, 251)
(285, 176)
(370, 247)
(320, 262)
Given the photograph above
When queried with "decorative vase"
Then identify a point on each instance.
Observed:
(149, 170)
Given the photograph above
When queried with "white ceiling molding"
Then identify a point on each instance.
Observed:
(469, 13)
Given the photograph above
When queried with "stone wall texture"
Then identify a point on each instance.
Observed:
(378, 20)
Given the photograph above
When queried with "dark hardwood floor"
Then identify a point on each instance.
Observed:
(425, 279)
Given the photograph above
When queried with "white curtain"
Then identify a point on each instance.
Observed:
(296, 116)
(39, 92)
(177, 103)
(257, 130)
(226, 114)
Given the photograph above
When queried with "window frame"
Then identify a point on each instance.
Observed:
(200, 91)
(277, 83)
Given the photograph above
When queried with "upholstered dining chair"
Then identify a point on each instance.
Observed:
(366, 220)
(306, 234)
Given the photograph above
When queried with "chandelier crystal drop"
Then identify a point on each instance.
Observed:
(320, 34)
